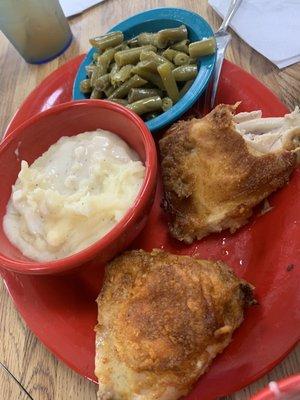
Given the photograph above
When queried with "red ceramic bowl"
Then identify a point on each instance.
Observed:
(36, 135)
(289, 388)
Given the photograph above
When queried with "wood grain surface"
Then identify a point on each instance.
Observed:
(42, 374)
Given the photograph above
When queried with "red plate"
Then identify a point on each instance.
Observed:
(61, 311)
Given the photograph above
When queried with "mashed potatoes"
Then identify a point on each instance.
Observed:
(72, 195)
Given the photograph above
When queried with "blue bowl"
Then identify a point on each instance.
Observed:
(153, 21)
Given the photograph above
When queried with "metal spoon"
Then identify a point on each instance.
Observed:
(222, 40)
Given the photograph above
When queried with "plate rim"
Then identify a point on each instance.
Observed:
(249, 381)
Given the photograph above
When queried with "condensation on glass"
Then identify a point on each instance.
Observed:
(38, 29)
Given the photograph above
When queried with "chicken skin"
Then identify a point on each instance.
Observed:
(162, 319)
(216, 169)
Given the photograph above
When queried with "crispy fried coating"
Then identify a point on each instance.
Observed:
(213, 177)
(162, 318)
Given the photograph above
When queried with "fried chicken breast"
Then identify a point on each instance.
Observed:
(162, 319)
(216, 169)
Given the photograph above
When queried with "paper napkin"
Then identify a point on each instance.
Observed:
(271, 27)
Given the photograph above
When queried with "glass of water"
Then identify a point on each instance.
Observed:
(38, 29)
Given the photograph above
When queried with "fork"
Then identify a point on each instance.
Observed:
(222, 40)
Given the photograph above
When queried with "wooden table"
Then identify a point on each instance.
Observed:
(42, 374)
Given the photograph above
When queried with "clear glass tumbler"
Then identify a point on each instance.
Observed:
(38, 29)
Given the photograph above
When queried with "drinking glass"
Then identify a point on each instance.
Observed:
(38, 29)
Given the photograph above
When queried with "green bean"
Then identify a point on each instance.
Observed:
(182, 46)
(103, 82)
(169, 82)
(166, 103)
(193, 60)
(150, 76)
(177, 57)
(96, 55)
(185, 72)
(146, 38)
(202, 48)
(131, 56)
(111, 39)
(123, 90)
(96, 94)
(122, 46)
(136, 94)
(133, 42)
(181, 58)
(165, 37)
(185, 88)
(146, 64)
(143, 73)
(149, 85)
(144, 106)
(109, 91)
(149, 116)
(123, 102)
(89, 70)
(169, 53)
(98, 71)
(156, 58)
(113, 68)
(106, 58)
(122, 75)
(85, 86)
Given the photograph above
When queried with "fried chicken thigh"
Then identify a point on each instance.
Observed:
(162, 319)
(216, 169)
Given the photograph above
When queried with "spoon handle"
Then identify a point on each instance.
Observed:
(234, 5)
(222, 40)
